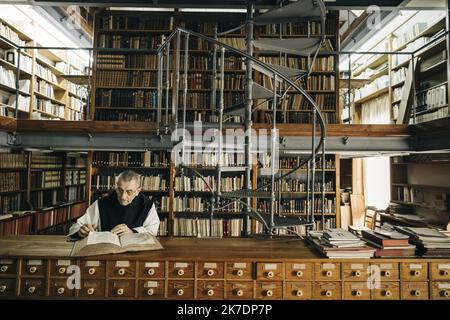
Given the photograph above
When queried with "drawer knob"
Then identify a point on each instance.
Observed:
(445, 293)
(387, 273)
(239, 293)
(415, 273)
(210, 272)
(328, 293)
(151, 272)
(180, 272)
(357, 273)
(121, 271)
(2, 289)
(210, 292)
(150, 292)
(33, 269)
(357, 293)
(119, 291)
(299, 273)
(387, 293)
(32, 290)
(4, 268)
(416, 293)
(445, 273)
(270, 274)
(299, 293)
(180, 292)
(328, 274)
(240, 273)
(90, 291)
(91, 271)
(62, 270)
(60, 290)
(269, 293)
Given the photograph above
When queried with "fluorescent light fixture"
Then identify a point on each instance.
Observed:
(140, 9)
(213, 10)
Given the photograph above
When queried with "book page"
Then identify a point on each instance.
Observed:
(136, 239)
(103, 237)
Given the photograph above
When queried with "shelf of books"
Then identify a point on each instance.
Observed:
(154, 167)
(291, 192)
(34, 196)
(42, 92)
(420, 188)
(125, 82)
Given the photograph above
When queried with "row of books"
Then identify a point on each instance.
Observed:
(320, 63)
(11, 202)
(139, 99)
(44, 88)
(73, 115)
(189, 204)
(50, 107)
(410, 34)
(202, 228)
(131, 159)
(298, 185)
(75, 104)
(163, 229)
(10, 34)
(13, 160)
(437, 114)
(42, 161)
(23, 102)
(39, 115)
(297, 206)
(121, 61)
(78, 162)
(128, 42)
(46, 198)
(75, 193)
(432, 98)
(45, 73)
(75, 177)
(313, 82)
(119, 78)
(113, 22)
(398, 76)
(208, 158)
(207, 27)
(398, 59)
(295, 28)
(46, 179)
(12, 181)
(197, 184)
(148, 183)
(299, 102)
(376, 85)
(294, 162)
(26, 63)
(7, 77)
(262, 116)
(22, 224)
(155, 183)
(299, 230)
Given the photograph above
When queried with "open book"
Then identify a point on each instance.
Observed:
(107, 242)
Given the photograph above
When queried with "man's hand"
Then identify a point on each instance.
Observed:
(121, 229)
(85, 229)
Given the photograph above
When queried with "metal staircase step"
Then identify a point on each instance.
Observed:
(245, 193)
(298, 46)
(288, 72)
(258, 92)
(235, 110)
(302, 10)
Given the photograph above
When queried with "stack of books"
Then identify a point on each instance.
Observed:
(430, 242)
(389, 243)
(339, 243)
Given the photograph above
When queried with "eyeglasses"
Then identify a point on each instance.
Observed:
(128, 192)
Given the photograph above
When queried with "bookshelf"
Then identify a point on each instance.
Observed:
(43, 92)
(118, 98)
(390, 77)
(420, 187)
(291, 192)
(40, 192)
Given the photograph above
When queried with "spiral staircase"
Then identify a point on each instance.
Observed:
(171, 113)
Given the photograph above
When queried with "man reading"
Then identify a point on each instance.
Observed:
(123, 212)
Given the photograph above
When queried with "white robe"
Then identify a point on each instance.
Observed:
(92, 216)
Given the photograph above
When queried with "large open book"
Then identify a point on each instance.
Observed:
(107, 242)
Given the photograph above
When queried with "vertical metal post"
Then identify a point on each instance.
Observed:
(248, 109)
(167, 85)
(214, 76)
(349, 88)
(313, 164)
(177, 79)
(413, 74)
(185, 88)
(322, 207)
(16, 110)
(272, 151)
(88, 100)
(159, 91)
(308, 188)
(221, 107)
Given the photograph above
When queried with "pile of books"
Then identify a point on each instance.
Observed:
(389, 243)
(430, 242)
(339, 243)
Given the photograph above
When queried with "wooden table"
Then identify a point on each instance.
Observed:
(39, 267)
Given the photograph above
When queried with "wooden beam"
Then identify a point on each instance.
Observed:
(8, 124)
